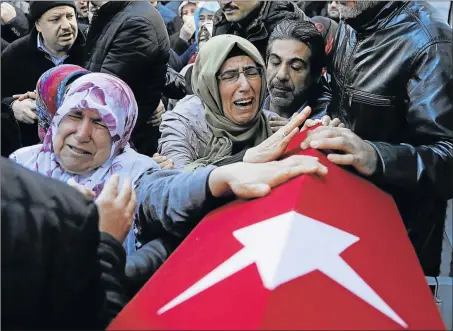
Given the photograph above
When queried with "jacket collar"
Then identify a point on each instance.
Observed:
(76, 47)
(112, 8)
(377, 17)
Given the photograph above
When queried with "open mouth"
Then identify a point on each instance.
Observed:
(78, 150)
(243, 103)
(66, 35)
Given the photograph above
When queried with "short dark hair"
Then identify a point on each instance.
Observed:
(304, 32)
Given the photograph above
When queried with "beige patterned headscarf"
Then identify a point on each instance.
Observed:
(226, 134)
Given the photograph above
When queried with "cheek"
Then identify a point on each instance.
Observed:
(57, 144)
(103, 143)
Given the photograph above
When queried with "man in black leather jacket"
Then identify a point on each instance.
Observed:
(60, 268)
(392, 85)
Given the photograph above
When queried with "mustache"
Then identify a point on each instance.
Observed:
(230, 6)
(280, 86)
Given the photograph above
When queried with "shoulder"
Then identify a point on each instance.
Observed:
(189, 110)
(19, 47)
(424, 23)
(39, 194)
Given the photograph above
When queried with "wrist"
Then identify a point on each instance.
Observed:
(219, 183)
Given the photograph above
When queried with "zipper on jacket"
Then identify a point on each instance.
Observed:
(368, 99)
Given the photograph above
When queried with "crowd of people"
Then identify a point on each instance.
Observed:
(146, 115)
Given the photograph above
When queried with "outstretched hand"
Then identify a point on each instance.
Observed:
(247, 180)
(273, 147)
(116, 208)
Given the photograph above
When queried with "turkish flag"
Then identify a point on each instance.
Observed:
(317, 253)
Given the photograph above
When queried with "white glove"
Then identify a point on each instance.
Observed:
(188, 29)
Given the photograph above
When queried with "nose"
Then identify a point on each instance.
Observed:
(65, 24)
(243, 82)
(84, 129)
(282, 74)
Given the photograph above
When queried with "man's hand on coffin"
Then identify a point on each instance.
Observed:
(325, 120)
(248, 180)
(353, 150)
(116, 208)
(273, 147)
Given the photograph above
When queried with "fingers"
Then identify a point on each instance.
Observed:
(110, 190)
(130, 208)
(335, 122)
(320, 133)
(30, 114)
(289, 137)
(310, 123)
(125, 193)
(346, 159)
(167, 165)
(325, 120)
(339, 143)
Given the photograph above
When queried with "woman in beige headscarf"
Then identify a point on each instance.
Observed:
(224, 118)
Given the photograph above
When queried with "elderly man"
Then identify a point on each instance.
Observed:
(53, 40)
(294, 60)
(253, 20)
(392, 83)
(128, 39)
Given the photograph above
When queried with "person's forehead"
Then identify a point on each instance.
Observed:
(87, 112)
(189, 5)
(237, 62)
(290, 49)
(60, 10)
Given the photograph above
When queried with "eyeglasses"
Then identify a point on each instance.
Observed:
(231, 76)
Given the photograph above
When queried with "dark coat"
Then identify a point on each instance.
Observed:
(22, 65)
(399, 97)
(58, 271)
(260, 23)
(17, 28)
(128, 39)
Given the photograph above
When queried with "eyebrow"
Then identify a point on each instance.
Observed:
(292, 59)
(243, 67)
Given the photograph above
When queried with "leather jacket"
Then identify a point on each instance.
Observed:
(259, 24)
(392, 85)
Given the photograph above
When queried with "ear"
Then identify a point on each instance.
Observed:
(37, 25)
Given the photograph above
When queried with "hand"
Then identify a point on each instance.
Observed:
(273, 147)
(357, 152)
(188, 29)
(325, 120)
(24, 111)
(278, 122)
(116, 209)
(163, 162)
(28, 95)
(248, 181)
(8, 13)
(82, 189)
(156, 118)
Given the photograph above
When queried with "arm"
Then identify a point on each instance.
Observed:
(18, 26)
(175, 142)
(170, 201)
(426, 163)
(321, 105)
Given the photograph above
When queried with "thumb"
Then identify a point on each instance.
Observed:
(250, 191)
(30, 113)
(110, 190)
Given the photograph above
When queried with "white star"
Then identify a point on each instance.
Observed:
(289, 246)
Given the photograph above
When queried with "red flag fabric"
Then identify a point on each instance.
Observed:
(317, 253)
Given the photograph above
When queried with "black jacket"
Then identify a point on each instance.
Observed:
(128, 39)
(17, 28)
(58, 272)
(392, 84)
(259, 25)
(22, 65)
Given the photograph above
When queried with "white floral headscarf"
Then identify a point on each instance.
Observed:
(116, 104)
